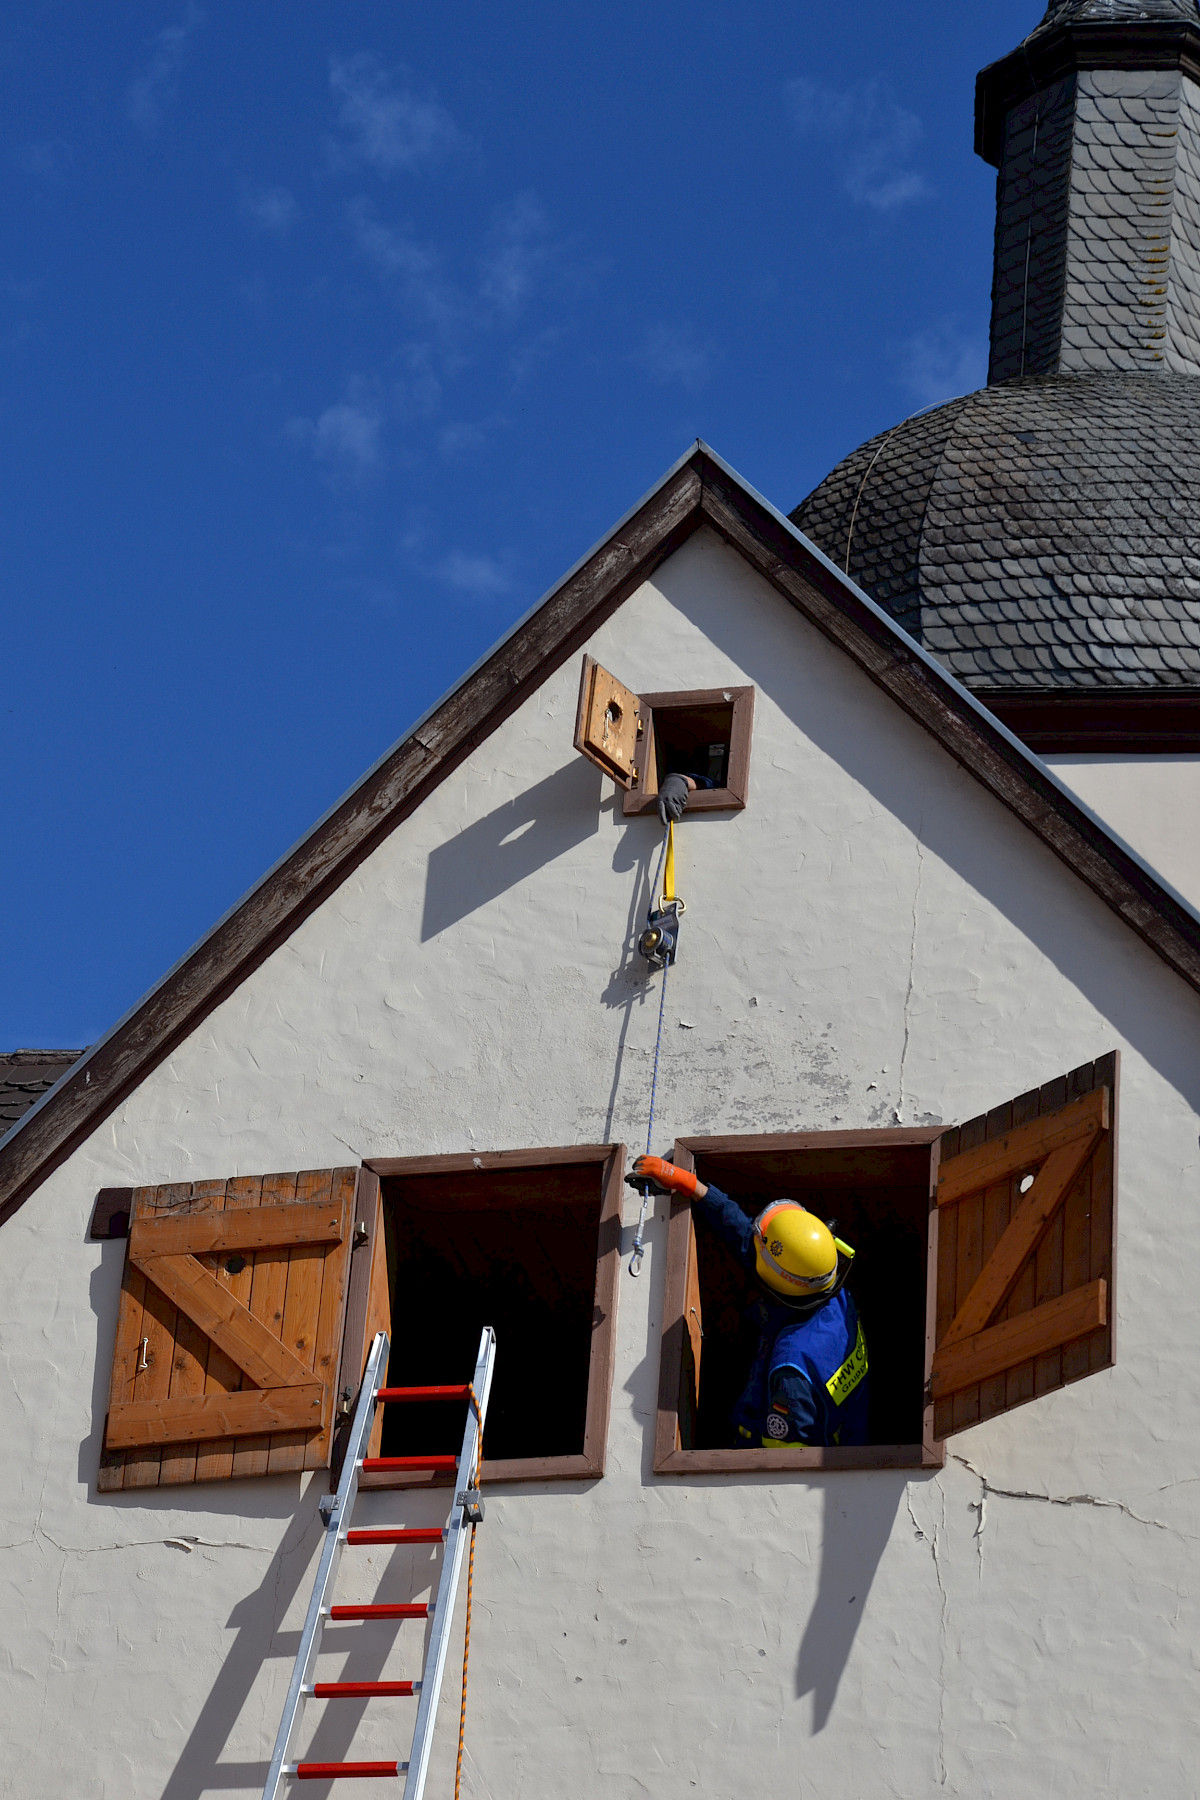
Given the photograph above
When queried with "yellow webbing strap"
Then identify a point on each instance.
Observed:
(668, 889)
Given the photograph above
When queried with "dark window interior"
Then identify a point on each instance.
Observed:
(515, 1249)
(692, 740)
(879, 1199)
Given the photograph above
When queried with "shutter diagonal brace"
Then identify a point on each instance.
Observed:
(1053, 1183)
(223, 1317)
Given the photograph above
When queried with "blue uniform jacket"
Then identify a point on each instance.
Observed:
(808, 1382)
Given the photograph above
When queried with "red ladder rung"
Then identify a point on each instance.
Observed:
(414, 1610)
(407, 1465)
(409, 1535)
(362, 1690)
(391, 1395)
(324, 1771)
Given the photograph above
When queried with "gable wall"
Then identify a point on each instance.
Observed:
(873, 939)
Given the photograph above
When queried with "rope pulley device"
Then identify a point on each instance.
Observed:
(659, 941)
(659, 944)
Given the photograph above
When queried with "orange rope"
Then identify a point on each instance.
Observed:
(462, 1716)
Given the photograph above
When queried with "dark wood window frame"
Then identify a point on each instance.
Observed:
(642, 797)
(669, 1457)
(589, 1465)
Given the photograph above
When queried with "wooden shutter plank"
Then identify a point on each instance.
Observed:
(152, 1379)
(200, 1416)
(216, 1461)
(301, 1311)
(326, 1348)
(970, 1264)
(693, 1338)
(247, 1228)
(991, 1161)
(111, 1477)
(997, 1215)
(230, 1325)
(267, 1291)
(189, 1370)
(1021, 1339)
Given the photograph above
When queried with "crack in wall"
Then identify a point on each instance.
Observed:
(942, 1622)
(1104, 1502)
(186, 1542)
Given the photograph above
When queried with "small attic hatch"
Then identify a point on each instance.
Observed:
(639, 739)
(983, 1272)
(529, 1243)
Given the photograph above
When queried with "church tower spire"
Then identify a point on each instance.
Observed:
(1094, 127)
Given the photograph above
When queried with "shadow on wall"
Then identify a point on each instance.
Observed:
(487, 858)
(859, 1514)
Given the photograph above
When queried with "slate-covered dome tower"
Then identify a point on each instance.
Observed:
(1042, 536)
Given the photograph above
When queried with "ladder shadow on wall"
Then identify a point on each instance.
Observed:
(509, 844)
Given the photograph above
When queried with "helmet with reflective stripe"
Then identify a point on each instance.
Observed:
(794, 1251)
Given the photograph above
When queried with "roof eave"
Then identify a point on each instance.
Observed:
(700, 489)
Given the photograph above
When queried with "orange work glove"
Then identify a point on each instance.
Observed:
(663, 1177)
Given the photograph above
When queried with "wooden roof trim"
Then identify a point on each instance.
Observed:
(699, 490)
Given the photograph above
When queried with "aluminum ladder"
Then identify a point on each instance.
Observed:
(337, 1509)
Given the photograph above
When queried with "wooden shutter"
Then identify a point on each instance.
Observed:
(229, 1332)
(1025, 1216)
(608, 723)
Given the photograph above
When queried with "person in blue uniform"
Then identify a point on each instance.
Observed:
(808, 1383)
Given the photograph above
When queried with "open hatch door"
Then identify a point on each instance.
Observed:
(608, 723)
(1024, 1222)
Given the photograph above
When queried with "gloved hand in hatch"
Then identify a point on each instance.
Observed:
(673, 791)
(808, 1381)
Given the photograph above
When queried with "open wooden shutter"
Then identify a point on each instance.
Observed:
(608, 723)
(229, 1333)
(1025, 1221)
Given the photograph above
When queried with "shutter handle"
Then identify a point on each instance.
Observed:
(361, 1236)
(144, 1363)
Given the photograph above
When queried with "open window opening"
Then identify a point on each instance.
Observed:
(640, 739)
(527, 1242)
(982, 1277)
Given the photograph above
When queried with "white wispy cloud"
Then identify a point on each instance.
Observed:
(476, 577)
(413, 268)
(387, 125)
(868, 129)
(347, 437)
(516, 253)
(677, 354)
(943, 362)
(270, 209)
(154, 90)
(48, 158)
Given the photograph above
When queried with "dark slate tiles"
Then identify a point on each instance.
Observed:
(25, 1075)
(1042, 532)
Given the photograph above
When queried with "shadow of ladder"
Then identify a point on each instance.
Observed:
(338, 1510)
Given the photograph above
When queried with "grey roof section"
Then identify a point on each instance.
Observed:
(1118, 12)
(25, 1075)
(1042, 533)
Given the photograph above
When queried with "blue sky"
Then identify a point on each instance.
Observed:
(330, 336)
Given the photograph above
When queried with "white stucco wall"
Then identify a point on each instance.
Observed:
(873, 939)
(1153, 802)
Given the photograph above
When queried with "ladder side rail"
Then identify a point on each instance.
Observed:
(456, 1536)
(335, 1531)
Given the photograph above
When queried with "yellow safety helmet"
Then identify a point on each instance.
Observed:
(794, 1251)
